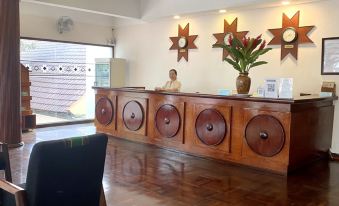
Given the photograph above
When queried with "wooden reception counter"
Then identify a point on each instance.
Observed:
(271, 134)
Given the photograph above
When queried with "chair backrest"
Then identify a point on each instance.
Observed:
(4, 161)
(67, 172)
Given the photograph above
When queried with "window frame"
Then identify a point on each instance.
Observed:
(68, 42)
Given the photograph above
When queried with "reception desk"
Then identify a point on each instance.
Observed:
(270, 134)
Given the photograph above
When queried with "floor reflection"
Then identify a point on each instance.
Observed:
(128, 167)
(144, 175)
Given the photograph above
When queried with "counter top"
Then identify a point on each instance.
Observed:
(298, 99)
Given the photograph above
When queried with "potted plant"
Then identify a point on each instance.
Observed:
(243, 55)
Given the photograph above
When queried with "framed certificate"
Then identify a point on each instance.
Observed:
(271, 88)
(330, 56)
(286, 88)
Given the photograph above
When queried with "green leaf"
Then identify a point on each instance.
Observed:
(237, 50)
(238, 43)
(233, 63)
(236, 53)
(241, 58)
(243, 52)
(243, 65)
(219, 46)
(258, 64)
(255, 55)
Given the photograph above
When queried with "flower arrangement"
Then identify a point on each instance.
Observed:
(244, 53)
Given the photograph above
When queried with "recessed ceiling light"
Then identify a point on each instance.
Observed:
(176, 17)
(222, 11)
(285, 2)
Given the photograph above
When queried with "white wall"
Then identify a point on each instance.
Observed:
(155, 9)
(147, 49)
(126, 8)
(43, 27)
(161, 8)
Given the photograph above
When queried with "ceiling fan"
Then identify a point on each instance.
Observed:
(64, 24)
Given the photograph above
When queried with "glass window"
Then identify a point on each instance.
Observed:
(62, 76)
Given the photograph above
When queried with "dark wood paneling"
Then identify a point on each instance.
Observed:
(265, 135)
(10, 101)
(167, 120)
(214, 142)
(311, 129)
(109, 118)
(162, 138)
(28, 119)
(210, 127)
(133, 115)
(269, 134)
(280, 160)
(104, 111)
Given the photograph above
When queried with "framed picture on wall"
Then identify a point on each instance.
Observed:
(330, 56)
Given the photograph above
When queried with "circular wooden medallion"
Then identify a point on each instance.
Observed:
(265, 135)
(132, 169)
(210, 127)
(104, 111)
(133, 115)
(167, 120)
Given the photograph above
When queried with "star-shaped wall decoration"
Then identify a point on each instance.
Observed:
(183, 42)
(229, 29)
(282, 34)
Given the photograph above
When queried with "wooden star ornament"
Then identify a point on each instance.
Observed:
(290, 35)
(229, 29)
(183, 42)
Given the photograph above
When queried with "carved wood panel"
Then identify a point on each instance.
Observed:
(105, 112)
(301, 143)
(265, 135)
(210, 127)
(167, 120)
(132, 116)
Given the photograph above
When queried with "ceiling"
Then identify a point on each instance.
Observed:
(117, 13)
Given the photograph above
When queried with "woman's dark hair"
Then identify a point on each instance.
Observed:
(175, 71)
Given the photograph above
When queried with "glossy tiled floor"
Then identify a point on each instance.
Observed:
(143, 175)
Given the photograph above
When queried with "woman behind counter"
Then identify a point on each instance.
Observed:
(171, 86)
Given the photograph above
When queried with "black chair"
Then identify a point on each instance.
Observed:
(65, 172)
(4, 161)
